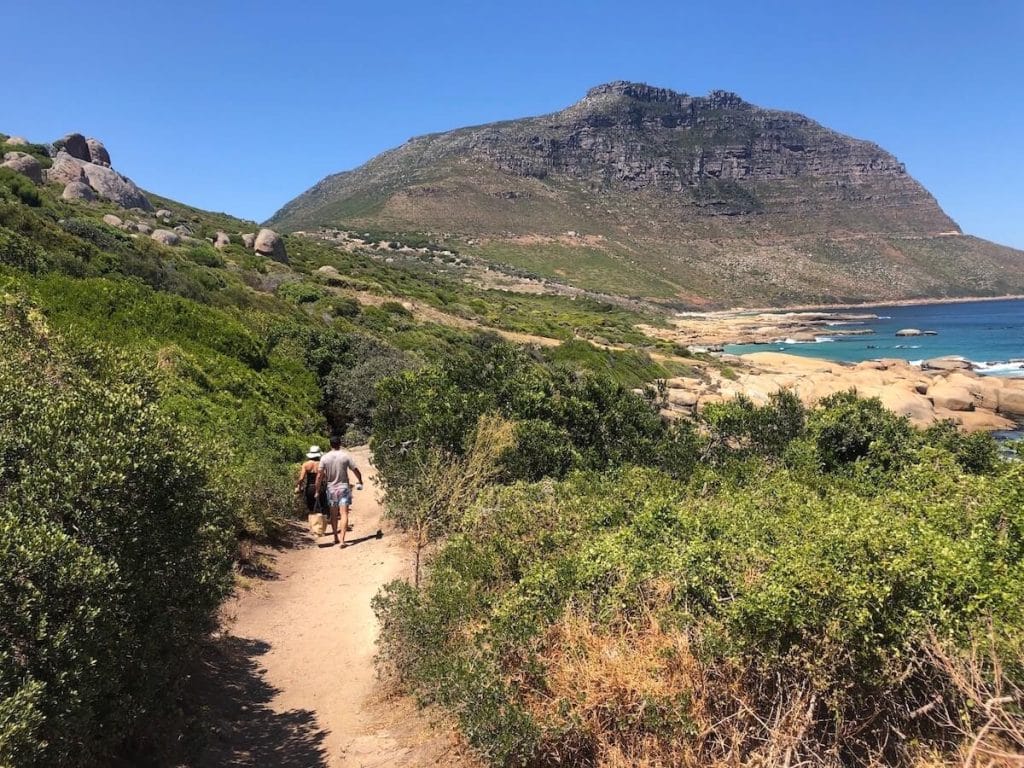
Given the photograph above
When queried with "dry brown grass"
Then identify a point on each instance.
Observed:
(639, 697)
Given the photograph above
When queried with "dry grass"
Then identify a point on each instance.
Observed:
(640, 697)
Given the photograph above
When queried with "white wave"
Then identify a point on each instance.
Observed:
(1013, 369)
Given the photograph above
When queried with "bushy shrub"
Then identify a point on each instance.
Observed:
(18, 188)
(847, 429)
(778, 594)
(21, 253)
(114, 550)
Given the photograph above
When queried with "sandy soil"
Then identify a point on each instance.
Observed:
(295, 683)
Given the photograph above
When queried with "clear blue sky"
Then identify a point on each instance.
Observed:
(239, 106)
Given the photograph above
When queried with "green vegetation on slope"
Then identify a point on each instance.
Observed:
(832, 585)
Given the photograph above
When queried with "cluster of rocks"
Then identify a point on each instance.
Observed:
(944, 388)
(83, 166)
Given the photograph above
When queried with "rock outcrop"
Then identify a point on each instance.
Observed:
(249, 240)
(24, 164)
(75, 145)
(72, 164)
(16, 141)
(221, 241)
(97, 152)
(270, 244)
(112, 186)
(973, 402)
(65, 169)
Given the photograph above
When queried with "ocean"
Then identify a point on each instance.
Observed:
(988, 333)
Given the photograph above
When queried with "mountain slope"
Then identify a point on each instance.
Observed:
(695, 200)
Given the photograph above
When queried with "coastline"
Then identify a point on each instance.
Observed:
(862, 305)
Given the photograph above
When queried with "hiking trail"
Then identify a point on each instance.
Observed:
(294, 684)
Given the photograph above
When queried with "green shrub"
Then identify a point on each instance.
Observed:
(18, 188)
(20, 252)
(103, 502)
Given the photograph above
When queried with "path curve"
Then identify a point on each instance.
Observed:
(302, 643)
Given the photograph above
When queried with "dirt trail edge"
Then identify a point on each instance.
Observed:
(295, 685)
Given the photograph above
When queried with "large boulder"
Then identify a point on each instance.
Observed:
(951, 397)
(249, 240)
(1011, 400)
(24, 164)
(97, 152)
(143, 228)
(78, 190)
(683, 398)
(65, 169)
(75, 145)
(221, 241)
(269, 243)
(904, 401)
(985, 389)
(947, 364)
(112, 186)
(16, 141)
(165, 236)
(112, 220)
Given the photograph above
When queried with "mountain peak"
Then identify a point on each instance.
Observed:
(643, 92)
(699, 198)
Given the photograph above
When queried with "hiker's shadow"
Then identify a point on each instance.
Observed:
(242, 728)
(352, 542)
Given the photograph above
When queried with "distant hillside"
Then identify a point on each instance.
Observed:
(643, 191)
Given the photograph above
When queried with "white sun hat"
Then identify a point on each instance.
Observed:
(314, 452)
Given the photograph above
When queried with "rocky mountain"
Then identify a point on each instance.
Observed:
(695, 201)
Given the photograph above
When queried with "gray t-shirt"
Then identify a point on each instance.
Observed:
(334, 468)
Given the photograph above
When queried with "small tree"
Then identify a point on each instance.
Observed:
(439, 486)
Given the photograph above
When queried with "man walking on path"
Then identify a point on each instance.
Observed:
(334, 468)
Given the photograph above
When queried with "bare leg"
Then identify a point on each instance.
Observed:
(334, 522)
(344, 523)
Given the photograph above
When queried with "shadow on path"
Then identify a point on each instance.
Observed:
(242, 729)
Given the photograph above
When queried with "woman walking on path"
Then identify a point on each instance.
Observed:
(307, 477)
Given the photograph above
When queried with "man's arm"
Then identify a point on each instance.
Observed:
(357, 473)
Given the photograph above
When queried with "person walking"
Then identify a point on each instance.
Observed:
(334, 476)
(306, 484)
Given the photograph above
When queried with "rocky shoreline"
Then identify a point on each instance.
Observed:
(714, 329)
(947, 388)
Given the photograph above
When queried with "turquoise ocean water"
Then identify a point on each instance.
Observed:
(989, 333)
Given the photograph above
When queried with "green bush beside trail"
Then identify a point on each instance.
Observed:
(774, 578)
(115, 547)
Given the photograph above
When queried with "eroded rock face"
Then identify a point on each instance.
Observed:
(75, 145)
(24, 164)
(65, 169)
(951, 397)
(268, 243)
(1011, 402)
(110, 185)
(97, 152)
(78, 190)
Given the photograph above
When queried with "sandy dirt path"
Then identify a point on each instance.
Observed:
(296, 684)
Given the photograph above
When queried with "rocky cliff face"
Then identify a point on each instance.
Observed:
(693, 191)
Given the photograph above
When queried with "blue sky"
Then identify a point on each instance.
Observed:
(239, 106)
